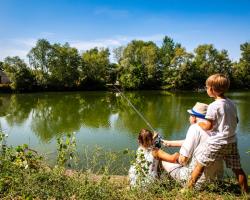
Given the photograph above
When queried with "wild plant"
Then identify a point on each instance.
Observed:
(3, 138)
(66, 150)
(102, 161)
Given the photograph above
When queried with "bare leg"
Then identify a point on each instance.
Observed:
(242, 179)
(198, 170)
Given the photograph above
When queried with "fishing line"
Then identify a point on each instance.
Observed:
(143, 118)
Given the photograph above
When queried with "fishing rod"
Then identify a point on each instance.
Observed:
(159, 138)
(142, 117)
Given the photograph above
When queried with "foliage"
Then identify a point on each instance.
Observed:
(100, 161)
(167, 51)
(20, 75)
(139, 68)
(66, 150)
(118, 53)
(39, 57)
(5, 88)
(63, 66)
(208, 60)
(179, 74)
(94, 68)
(139, 65)
(241, 70)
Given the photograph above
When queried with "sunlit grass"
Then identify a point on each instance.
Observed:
(24, 175)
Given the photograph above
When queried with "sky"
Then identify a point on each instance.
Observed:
(86, 24)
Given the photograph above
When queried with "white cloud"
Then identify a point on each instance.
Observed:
(21, 46)
(113, 42)
(25, 42)
(154, 38)
(85, 45)
(16, 47)
(12, 52)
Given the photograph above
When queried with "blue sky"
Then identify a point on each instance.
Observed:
(109, 23)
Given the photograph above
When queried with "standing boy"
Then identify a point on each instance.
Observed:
(221, 122)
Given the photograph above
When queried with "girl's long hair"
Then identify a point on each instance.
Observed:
(145, 138)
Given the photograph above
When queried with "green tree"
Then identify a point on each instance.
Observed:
(139, 66)
(173, 58)
(167, 51)
(112, 73)
(63, 65)
(118, 53)
(20, 75)
(180, 73)
(209, 60)
(94, 68)
(241, 70)
(39, 58)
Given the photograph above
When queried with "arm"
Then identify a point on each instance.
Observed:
(206, 125)
(183, 160)
(172, 143)
(161, 155)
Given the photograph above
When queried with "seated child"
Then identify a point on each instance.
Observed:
(145, 168)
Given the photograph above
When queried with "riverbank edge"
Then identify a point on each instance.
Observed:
(5, 88)
(122, 182)
(56, 182)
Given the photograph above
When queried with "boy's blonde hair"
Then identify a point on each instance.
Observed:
(218, 82)
(145, 138)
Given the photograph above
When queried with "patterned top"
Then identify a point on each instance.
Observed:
(144, 169)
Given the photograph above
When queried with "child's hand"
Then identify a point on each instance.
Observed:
(166, 143)
(206, 125)
(201, 124)
(182, 160)
(176, 157)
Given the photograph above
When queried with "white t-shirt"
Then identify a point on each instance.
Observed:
(223, 112)
(192, 148)
(194, 137)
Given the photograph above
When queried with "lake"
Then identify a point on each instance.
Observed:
(106, 119)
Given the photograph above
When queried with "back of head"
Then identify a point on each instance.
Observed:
(218, 82)
(145, 138)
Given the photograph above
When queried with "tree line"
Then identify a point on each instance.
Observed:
(139, 65)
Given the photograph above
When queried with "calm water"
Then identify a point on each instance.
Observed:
(105, 119)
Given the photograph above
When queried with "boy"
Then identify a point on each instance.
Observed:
(221, 122)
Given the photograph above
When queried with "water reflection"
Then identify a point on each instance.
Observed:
(55, 113)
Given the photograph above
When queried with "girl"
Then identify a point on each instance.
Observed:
(145, 168)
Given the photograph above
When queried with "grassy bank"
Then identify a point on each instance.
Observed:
(18, 183)
(25, 175)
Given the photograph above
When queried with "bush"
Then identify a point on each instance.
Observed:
(5, 88)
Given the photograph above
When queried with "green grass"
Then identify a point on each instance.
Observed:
(25, 175)
(43, 182)
(53, 184)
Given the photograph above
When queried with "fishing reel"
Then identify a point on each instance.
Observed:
(157, 141)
